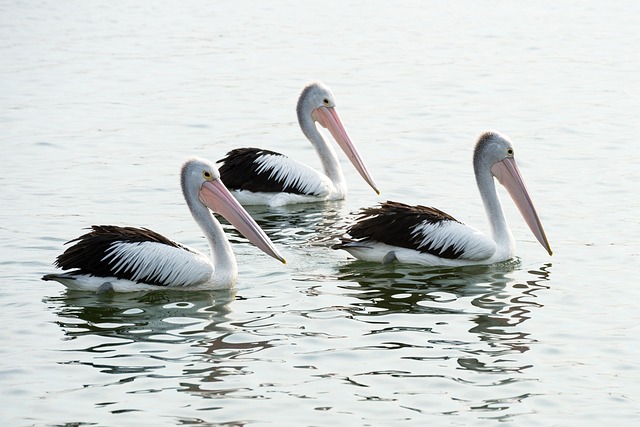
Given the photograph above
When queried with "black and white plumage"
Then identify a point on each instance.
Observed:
(125, 259)
(256, 170)
(423, 235)
(262, 177)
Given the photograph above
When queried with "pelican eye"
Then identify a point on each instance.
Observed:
(207, 175)
(326, 102)
(509, 151)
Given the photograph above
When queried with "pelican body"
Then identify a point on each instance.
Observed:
(427, 236)
(262, 177)
(126, 259)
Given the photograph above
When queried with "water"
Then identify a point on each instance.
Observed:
(99, 105)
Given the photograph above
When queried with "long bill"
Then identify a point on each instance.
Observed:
(217, 197)
(509, 176)
(328, 117)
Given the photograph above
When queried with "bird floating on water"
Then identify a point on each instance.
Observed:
(424, 235)
(126, 259)
(263, 177)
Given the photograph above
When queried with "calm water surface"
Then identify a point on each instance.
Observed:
(100, 104)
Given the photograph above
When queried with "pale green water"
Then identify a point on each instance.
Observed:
(99, 105)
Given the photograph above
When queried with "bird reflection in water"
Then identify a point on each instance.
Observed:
(301, 225)
(488, 297)
(157, 336)
(162, 316)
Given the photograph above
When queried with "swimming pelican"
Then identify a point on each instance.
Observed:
(427, 236)
(126, 259)
(263, 177)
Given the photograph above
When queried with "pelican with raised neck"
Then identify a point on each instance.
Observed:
(427, 236)
(127, 259)
(262, 177)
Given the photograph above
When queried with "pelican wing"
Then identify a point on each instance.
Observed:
(257, 170)
(420, 228)
(136, 254)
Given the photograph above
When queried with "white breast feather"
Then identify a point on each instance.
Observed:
(167, 264)
(473, 244)
(295, 174)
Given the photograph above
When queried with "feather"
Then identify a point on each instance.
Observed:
(258, 170)
(137, 254)
(421, 228)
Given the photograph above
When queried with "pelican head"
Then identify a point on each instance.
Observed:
(494, 154)
(201, 184)
(318, 103)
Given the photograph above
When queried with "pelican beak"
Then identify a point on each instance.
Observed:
(215, 195)
(328, 117)
(509, 176)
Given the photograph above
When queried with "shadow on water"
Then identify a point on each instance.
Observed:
(152, 316)
(378, 285)
(298, 224)
(464, 325)
(416, 326)
(140, 333)
(487, 295)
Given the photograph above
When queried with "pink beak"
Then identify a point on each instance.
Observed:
(215, 195)
(329, 119)
(508, 174)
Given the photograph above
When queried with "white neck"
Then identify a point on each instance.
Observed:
(225, 269)
(328, 156)
(500, 230)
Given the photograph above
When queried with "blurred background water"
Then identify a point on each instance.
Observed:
(101, 102)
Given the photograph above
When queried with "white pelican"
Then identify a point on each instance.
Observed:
(262, 177)
(127, 259)
(427, 236)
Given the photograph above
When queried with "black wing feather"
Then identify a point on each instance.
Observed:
(239, 171)
(87, 254)
(392, 223)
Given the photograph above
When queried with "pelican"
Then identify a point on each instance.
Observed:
(262, 177)
(127, 259)
(423, 235)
